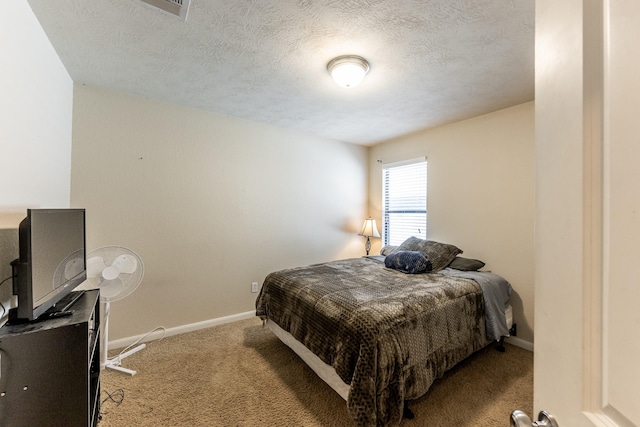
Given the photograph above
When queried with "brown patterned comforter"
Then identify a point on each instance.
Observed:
(387, 334)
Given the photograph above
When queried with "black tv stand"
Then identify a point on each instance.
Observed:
(50, 370)
(68, 301)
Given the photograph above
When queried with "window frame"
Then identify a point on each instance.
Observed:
(387, 210)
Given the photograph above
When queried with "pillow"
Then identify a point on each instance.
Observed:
(466, 264)
(440, 254)
(387, 250)
(409, 262)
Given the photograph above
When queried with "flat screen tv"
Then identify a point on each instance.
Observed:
(52, 262)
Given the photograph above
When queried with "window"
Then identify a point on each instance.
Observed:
(404, 201)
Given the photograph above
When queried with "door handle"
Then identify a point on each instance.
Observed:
(520, 419)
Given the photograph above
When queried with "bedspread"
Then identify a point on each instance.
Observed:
(496, 293)
(387, 334)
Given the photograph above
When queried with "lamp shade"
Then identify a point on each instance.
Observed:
(348, 70)
(369, 228)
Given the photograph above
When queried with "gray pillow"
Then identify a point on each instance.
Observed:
(386, 250)
(409, 262)
(466, 264)
(440, 254)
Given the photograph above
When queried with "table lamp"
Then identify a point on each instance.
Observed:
(369, 229)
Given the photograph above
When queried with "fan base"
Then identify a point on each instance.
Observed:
(115, 362)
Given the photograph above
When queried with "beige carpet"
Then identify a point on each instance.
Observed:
(240, 374)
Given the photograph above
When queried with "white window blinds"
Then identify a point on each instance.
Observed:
(404, 213)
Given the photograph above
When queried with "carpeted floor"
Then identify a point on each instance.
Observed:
(240, 374)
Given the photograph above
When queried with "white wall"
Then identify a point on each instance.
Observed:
(35, 115)
(35, 127)
(480, 193)
(210, 203)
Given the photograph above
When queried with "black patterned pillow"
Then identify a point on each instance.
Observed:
(466, 264)
(440, 254)
(409, 262)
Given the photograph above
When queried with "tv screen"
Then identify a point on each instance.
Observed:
(52, 259)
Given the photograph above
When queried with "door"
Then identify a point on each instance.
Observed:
(587, 227)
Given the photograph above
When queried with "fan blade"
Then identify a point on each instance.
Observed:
(110, 288)
(95, 265)
(126, 264)
(73, 268)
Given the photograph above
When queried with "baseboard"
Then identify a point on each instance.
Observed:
(123, 342)
(520, 343)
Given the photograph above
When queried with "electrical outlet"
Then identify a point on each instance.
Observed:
(254, 287)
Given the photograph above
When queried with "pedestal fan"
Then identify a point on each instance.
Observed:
(117, 272)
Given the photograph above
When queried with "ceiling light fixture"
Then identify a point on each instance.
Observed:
(348, 70)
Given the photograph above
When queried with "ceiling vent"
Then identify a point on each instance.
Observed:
(177, 8)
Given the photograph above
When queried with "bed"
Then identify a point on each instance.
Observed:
(378, 335)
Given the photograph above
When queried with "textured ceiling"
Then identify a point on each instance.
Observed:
(432, 61)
